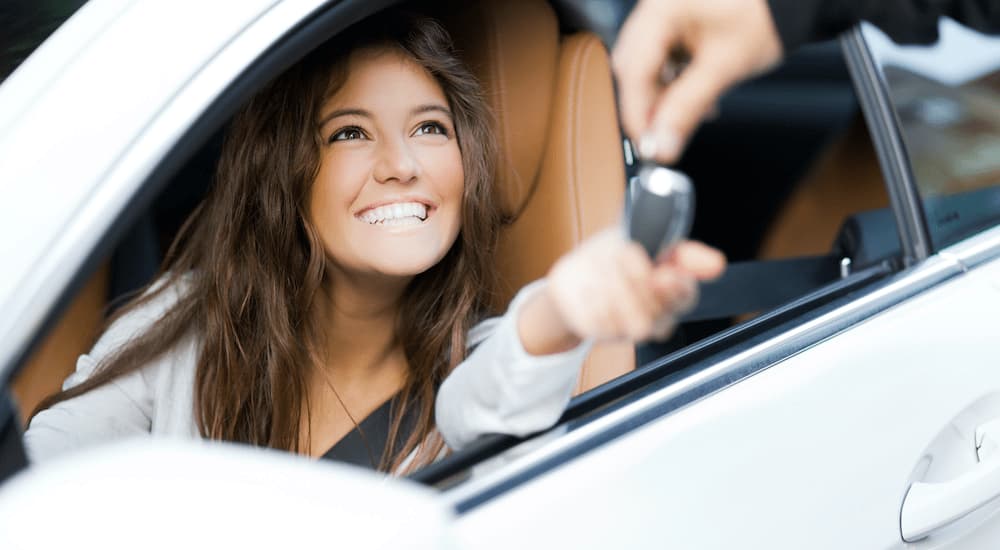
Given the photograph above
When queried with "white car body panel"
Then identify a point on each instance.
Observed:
(183, 494)
(816, 451)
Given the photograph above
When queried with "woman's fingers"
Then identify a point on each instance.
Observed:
(700, 260)
(625, 306)
(609, 289)
(663, 328)
(649, 300)
(637, 269)
(676, 291)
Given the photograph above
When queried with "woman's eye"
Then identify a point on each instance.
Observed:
(347, 134)
(432, 128)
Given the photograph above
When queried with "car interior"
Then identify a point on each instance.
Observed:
(785, 173)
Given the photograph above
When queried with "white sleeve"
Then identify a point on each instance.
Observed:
(502, 389)
(121, 408)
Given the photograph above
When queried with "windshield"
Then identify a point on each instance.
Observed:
(947, 100)
(25, 24)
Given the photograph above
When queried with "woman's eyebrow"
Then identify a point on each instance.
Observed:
(344, 112)
(430, 107)
(420, 109)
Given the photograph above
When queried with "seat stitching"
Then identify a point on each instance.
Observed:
(495, 51)
(578, 64)
(571, 142)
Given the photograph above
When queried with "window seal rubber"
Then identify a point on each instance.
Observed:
(884, 127)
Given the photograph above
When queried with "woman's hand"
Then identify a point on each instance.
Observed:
(608, 289)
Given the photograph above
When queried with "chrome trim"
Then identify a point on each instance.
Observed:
(845, 267)
(880, 116)
(525, 465)
(976, 250)
(629, 156)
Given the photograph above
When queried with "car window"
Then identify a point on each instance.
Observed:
(25, 24)
(947, 102)
(788, 186)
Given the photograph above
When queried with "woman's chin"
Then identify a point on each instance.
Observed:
(406, 267)
(406, 257)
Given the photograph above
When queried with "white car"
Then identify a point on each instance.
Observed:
(851, 399)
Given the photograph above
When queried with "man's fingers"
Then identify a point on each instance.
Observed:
(686, 101)
(639, 54)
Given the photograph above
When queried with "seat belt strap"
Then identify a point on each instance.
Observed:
(759, 286)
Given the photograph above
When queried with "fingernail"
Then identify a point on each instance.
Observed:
(668, 146)
(659, 145)
(648, 146)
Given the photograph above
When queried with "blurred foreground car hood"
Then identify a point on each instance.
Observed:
(160, 493)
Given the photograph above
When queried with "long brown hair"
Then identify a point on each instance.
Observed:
(253, 265)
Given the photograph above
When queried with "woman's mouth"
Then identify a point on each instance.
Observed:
(400, 213)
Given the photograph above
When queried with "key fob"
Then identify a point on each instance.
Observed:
(662, 209)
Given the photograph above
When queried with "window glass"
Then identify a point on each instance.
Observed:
(947, 100)
(25, 24)
(788, 186)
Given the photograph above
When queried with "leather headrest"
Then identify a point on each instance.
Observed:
(513, 48)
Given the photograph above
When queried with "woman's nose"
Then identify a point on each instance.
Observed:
(396, 161)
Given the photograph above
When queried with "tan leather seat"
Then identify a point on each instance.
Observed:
(73, 335)
(564, 175)
(845, 179)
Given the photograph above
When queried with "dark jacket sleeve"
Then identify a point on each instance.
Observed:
(905, 21)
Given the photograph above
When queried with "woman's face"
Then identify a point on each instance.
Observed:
(388, 197)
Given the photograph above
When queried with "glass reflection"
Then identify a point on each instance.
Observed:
(947, 100)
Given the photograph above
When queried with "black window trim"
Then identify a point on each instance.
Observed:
(884, 127)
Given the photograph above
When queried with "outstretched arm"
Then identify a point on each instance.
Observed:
(520, 377)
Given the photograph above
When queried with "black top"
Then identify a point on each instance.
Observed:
(364, 445)
(905, 21)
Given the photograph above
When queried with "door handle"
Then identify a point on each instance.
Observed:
(930, 506)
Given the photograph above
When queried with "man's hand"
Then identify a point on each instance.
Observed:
(608, 289)
(728, 41)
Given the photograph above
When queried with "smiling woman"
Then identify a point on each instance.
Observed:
(390, 125)
(275, 320)
(329, 296)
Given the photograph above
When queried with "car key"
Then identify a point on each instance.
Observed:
(662, 209)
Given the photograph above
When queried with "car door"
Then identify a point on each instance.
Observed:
(866, 422)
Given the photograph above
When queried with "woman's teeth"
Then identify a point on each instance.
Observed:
(400, 213)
